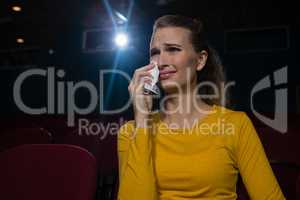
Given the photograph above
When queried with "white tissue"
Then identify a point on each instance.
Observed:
(155, 74)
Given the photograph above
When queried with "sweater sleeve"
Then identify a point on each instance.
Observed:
(253, 164)
(136, 173)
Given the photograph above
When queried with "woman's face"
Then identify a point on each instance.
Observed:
(178, 62)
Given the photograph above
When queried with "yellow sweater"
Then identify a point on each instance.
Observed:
(201, 162)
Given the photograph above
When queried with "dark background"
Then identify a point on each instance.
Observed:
(253, 38)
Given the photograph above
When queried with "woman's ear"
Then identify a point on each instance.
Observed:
(202, 58)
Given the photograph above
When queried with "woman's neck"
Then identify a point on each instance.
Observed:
(187, 105)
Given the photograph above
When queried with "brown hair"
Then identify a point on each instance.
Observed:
(213, 70)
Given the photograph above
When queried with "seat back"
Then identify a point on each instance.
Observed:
(47, 171)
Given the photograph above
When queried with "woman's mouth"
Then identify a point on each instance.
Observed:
(166, 74)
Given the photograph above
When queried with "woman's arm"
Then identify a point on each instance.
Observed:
(253, 164)
(136, 174)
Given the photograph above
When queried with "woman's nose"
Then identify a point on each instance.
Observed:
(162, 61)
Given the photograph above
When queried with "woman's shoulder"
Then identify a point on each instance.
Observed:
(130, 125)
(232, 115)
(124, 135)
(126, 129)
(236, 122)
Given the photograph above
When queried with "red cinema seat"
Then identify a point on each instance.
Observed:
(48, 172)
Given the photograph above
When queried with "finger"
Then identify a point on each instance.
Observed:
(142, 73)
(140, 89)
(142, 81)
(139, 75)
(146, 80)
(132, 87)
(143, 70)
(141, 84)
(146, 67)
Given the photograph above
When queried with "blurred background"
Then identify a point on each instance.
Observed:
(254, 39)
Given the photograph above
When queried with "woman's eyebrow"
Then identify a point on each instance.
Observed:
(172, 44)
(155, 49)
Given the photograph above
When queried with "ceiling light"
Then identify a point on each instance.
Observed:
(17, 8)
(20, 40)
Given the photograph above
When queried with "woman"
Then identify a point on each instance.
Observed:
(193, 148)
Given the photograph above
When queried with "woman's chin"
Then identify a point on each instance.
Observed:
(169, 87)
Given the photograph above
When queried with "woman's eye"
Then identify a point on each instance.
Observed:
(172, 49)
(168, 49)
(153, 53)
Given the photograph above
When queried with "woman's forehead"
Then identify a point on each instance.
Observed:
(170, 35)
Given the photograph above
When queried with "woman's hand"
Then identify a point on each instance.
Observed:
(142, 102)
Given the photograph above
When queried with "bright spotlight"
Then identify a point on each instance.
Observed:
(16, 8)
(121, 40)
(20, 40)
